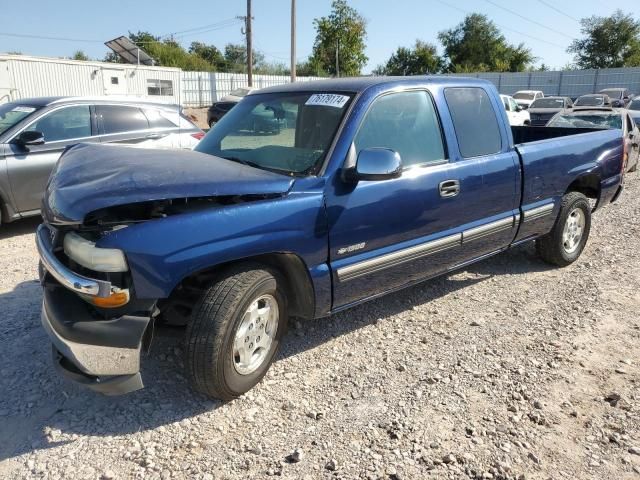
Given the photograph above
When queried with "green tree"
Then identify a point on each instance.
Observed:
(477, 45)
(423, 58)
(235, 57)
(339, 45)
(210, 53)
(80, 55)
(608, 42)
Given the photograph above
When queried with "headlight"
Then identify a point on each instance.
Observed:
(88, 255)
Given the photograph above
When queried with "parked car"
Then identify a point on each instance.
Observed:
(605, 118)
(620, 97)
(226, 103)
(515, 113)
(592, 100)
(542, 109)
(377, 184)
(634, 105)
(527, 97)
(35, 131)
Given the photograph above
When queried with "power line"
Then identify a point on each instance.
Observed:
(528, 19)
(547, 4)
(504, 27)
(204, 28)
(43, 37)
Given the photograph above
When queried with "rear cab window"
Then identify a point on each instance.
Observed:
(474, 120)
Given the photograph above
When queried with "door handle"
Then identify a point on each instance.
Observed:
(449, 188)
(155, 135)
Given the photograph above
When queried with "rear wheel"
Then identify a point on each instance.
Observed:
(564, 244)
(235, 332)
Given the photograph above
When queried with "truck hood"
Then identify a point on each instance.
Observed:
(92, 177)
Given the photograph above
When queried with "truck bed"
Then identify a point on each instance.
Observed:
(534, 134)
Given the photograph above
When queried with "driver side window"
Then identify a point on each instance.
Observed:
(64, 124)
(405, 122)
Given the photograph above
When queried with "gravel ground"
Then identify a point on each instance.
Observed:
(509, 369)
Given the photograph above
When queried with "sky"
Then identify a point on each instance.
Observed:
(547, 27)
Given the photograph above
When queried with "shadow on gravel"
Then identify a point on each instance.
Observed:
(37, 406)
(19, 227)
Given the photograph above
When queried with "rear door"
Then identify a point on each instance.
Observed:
(29, 167)
(123, 124)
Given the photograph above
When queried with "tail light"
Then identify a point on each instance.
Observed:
(198, 135)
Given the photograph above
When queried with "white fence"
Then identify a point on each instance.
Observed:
(201, 89)
(570, 83)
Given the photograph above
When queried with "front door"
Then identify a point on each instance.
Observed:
(29, 167)
(444, 210)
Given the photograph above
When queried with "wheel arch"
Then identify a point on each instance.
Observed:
(288, 266)
(588, 184)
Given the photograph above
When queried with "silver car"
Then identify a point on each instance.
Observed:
(34, 132)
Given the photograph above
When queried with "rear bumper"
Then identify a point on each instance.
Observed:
(103, 355)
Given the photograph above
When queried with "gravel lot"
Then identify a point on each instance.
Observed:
(509, 369)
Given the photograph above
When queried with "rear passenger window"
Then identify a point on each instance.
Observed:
(474, 120)
(405, 122)
(156, 120)
(117, 119)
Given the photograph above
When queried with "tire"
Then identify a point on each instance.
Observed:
(556, 248)
(214, 365)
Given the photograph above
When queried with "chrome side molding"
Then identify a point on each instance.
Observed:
(538, 212)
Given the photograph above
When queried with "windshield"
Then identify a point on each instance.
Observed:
(590, 101)
(612, 93)
(287, 132)
(524, 96)
(12, 113)
(548, 103)
(634, 105)
(611, 120)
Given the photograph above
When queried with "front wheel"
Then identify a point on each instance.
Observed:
(564, 244)
(235, 332)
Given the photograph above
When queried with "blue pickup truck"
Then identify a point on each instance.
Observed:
(304, 200)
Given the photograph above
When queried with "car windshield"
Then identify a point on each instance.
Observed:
(590, 101)
(286, 132)
(524, 96)
(240, 92)
(612, 93)
(597, 120)
(634, 105)
(548, 103)
(12, 113)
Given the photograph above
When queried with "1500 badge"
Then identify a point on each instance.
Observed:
(351, 248)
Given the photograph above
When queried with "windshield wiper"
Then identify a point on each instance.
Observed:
(249, 163)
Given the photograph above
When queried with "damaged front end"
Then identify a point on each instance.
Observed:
(97, 323)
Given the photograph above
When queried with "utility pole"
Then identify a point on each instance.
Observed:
(293, 41)
(249, 46)
(337, 58)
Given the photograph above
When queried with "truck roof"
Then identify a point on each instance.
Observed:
(360, 84)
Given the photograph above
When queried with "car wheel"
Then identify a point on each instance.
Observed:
(235, 332)
(564, 244)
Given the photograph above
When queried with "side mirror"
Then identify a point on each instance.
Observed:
(375, 164)
(518, 108)
(32, 137)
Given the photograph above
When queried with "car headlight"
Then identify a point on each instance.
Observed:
(86, 253)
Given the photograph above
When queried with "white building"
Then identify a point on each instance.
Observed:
(23, 76)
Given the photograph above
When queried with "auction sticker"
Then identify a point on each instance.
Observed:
(327, 100)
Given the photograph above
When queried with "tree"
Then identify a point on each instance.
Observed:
(608, 42)
(210, 53)
(423, 58)
(477, 45)
(235, 58)
(80, 55)
(339, 45)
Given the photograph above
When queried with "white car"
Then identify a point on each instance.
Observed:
(516, 114)
(527, 97)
